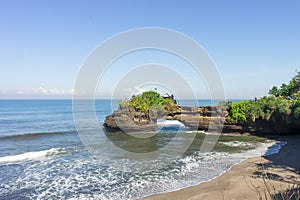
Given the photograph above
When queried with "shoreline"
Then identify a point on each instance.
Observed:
(246, 179)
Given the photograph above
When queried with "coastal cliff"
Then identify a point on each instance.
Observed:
(196, 118)
(278, 113)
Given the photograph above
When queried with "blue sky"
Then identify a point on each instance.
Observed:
(254, 44)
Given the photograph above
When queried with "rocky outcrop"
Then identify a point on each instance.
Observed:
(128, 120)
(205, 118)
(196, 118)
(200, 118)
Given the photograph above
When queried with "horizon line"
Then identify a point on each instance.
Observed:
(112, 99)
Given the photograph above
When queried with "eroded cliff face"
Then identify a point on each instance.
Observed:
(207, 118)
(196, 118)
(129, 120)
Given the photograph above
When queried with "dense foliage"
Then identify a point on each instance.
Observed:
(283, 106)
(238, 111)
(149, 101)
(289, 91)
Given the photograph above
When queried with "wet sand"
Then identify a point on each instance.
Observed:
(250, 179)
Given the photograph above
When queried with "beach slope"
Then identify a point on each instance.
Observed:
(250, 179)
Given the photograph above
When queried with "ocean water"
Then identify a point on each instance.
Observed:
(43, 157)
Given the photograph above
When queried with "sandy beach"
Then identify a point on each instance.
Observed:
(250, 179)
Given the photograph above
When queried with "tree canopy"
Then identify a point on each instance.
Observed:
(283, 106)
(289, 91)
(149, 100)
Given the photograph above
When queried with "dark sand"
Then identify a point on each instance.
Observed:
(245, 180)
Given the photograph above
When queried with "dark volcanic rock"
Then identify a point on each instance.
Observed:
(196, 118)
(128, 120)
(207, 118)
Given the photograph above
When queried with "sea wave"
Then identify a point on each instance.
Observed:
(275, 148)
(38, 134)
(31, 155)
(239, 144)
(106, 182)
(170, 126)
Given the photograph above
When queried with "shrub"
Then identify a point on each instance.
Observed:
(147, 101)
(277, 109)
(287, 90)
(123, 104)
(238, 111)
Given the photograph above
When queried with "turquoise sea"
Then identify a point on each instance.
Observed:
(43, 157)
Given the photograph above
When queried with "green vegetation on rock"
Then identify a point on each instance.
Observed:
(283, 106)
(289, 91)
(149, 101)
(238, 111)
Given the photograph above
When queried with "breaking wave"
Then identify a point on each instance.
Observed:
(31, 155)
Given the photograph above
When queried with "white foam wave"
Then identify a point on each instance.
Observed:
(275, 148)
(200, 131)
(161, 122)
(171, 125)
(238, 144)
(30, 155)
(81, 174)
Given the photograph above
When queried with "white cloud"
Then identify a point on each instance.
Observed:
(45, 91)
(134, 91)
(40, 90)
